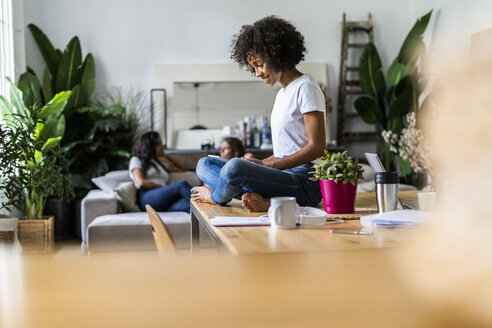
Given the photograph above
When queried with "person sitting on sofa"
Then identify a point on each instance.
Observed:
(232, 147)
(271, 48)
(149, 167)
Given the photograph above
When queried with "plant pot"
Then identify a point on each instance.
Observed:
(338, 197)
(36, 236)
(8, 231)
(63, 217)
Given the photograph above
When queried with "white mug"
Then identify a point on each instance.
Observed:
(427, 201)
(282, 212)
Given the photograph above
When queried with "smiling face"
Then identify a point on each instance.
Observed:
(262, 70)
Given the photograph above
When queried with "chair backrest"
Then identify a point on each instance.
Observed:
(163, 240)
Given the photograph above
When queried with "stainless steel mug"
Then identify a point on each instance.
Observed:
(386, 191)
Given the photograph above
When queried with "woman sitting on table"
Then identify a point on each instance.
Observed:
(149, 169)
(271, 48)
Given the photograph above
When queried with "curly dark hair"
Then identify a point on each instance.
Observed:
(144, 149)
(275, 40)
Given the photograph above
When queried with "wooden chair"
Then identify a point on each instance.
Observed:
(163, 240)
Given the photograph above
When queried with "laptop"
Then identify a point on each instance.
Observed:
(377, 166)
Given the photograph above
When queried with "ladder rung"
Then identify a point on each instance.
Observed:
(353, 68)
(356, 45)
(359, 26)
(354, 92)
(352, 83)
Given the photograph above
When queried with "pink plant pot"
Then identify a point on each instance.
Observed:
(338, 198)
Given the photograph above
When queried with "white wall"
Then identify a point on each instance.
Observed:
(128, 36)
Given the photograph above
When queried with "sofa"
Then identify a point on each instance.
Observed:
(111, 220)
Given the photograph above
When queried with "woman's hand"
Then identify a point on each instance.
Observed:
(268, 162)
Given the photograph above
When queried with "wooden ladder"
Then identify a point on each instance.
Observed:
(349, 86)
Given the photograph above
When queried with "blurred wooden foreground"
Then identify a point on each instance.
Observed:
(322, 289)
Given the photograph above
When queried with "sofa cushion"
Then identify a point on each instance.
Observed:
(111, 180)
(126, 195)
(132, 231)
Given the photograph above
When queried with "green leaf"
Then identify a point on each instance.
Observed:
(6, 111)
(38, 156)
(47, 85)
(52, 128)
(369, 110)
(370, 72)
(55, 106)
(16, 99)
(403, 99)
(50, 54)
(73, 101)
(410, 50)
(60, 126)
(31, 90)
(397, 71)
(69, 65)
(88, 82)
(51, 143)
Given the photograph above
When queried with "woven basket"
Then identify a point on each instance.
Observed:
(37, 235)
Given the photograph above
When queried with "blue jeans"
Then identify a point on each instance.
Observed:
(174, 197)
(231, 179)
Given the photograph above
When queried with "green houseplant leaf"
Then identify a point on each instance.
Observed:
(31, 90)
(47, 85)
(50, 54)
(55, 106)
(370, 72)
(88, 82)
(397, 71)
(66, 76)
(369, 110)
(410, 50)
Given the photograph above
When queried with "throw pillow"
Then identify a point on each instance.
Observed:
(126, 195)
(111, 180)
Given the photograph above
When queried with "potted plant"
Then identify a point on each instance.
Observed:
(337, 174)
(388, 100)
(30, 159)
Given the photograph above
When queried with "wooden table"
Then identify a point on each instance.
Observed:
(360, 288)
(263, 239)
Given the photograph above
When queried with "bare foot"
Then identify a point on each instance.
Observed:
(201, 194)
(254, 202)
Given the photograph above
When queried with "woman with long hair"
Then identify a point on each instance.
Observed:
(149, 169)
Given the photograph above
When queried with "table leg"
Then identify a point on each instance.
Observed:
(195, 231)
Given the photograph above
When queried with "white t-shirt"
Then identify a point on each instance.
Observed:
(159, 175)
(301, 96)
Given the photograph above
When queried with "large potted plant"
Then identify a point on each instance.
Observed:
(387, 101)
(30, 160)
(337, 174)
(99, 137)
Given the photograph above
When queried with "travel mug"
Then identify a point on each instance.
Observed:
(386, 191)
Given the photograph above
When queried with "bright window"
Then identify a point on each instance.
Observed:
(6, 45)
